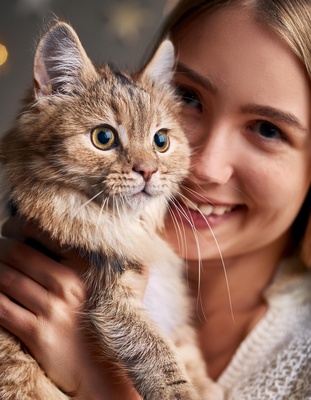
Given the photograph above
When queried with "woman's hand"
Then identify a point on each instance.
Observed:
(51, 295)
(41, 301)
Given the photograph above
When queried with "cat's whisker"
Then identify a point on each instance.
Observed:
(118, 209)
(211, 181)
(180, 172)
(181, 236)
(123, 205)
(104, 203)
(116, 203)
(85, 204)
(196, 194)
(124, 201)
(180, 210)
(219, 252)
(114, 207)
(179, 228)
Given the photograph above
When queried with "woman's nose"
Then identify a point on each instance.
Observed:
(214, 158)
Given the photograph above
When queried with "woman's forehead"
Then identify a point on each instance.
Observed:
(244, 58)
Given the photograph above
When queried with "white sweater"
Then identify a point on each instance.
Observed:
(274, 361)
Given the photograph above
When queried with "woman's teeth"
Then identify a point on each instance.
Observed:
(208, 209)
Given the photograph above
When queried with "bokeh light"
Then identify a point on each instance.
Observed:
(3, 54)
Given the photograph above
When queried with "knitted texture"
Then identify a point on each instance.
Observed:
(274, 361)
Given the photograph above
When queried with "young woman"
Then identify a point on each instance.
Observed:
(243, 70)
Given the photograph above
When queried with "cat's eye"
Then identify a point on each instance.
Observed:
(104, 137)
(161, 141)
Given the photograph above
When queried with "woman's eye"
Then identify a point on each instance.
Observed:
(104, 137)
(189, 97)
(161, 141)
(267, 130)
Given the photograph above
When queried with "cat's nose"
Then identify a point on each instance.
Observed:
(145, 169)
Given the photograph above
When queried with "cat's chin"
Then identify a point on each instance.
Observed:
(123, 203)
(138, 201)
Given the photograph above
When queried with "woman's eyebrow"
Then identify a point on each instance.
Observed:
(201, 80)
(263, 111)
(275, 114)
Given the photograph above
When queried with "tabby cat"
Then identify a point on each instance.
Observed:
(93, 158)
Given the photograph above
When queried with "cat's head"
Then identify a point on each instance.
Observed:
(98, 131)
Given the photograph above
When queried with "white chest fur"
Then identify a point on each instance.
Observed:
(165, 298)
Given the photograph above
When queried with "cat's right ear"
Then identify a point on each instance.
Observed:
(61, 64)
(161, 67)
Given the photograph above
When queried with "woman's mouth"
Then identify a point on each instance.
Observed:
(208, 209)
(203, 215)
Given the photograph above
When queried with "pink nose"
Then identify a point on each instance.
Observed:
(145, 169)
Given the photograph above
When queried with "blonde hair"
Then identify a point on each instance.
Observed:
(290, 20)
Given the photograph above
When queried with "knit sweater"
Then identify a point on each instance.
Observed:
(274, 361)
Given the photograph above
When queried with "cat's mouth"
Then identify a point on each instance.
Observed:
(123, 201)
(144, 191)
(129, 197)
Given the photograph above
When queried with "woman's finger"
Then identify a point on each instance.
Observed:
(16, 319)
(24, 290)
(17, 228)
(58, 279)
(27, 260)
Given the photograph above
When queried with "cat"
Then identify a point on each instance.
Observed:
(93, 158)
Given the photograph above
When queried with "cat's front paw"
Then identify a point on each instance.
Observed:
(183, 392)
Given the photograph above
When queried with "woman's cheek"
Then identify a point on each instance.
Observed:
(194, 129)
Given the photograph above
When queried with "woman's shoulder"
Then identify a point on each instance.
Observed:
(291, 285)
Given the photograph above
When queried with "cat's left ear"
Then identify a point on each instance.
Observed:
(61, 63)
(161, 67)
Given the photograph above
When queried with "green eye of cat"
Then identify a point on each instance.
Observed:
(104, 137)
(161, 141)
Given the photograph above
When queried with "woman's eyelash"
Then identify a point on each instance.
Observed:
(189, 97)
(267, 130)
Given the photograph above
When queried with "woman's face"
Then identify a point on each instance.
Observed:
(246, 111)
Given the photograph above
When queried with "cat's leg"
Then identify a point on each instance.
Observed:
(124, 331)
(185, 340)
(21, 378)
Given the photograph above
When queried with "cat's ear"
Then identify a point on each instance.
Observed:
(61, 64)
(161, 67)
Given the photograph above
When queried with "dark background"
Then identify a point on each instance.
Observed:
(110, 30)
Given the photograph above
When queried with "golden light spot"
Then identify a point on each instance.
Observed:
(127, 21)
(3, 54)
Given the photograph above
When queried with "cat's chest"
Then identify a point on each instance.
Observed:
(165, 298)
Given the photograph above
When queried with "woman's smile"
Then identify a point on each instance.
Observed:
(205, 215)
(248, 132)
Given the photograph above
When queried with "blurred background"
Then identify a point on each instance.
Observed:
(110, 30)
